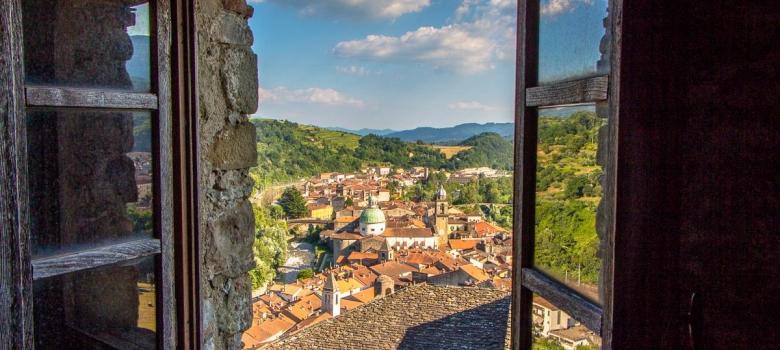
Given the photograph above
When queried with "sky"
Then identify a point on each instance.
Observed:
(402, 64)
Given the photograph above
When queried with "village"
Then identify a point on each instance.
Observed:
(375, 244)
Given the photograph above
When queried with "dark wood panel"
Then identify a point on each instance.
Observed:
(88, 98)
(87, 259)
(569, 92)
(524, 194)
(577, 306)
(15, 272)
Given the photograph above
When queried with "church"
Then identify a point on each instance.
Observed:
(373, 234)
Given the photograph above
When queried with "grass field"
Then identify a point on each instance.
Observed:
(331, 137)
(450, 151)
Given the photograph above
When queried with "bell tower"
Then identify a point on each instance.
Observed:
(442, 213)
(330, 296)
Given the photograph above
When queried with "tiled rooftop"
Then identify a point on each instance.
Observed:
(418, 317)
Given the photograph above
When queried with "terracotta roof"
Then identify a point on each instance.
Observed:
(364, 275)
(442, 318)
(475, 273)
(407, 232)
(484, 228)
(355, 255)
(573, 334)
(463, 244)
(265, 331)
(348, 284)
(393, 269)
(345, 219)
(544, 303)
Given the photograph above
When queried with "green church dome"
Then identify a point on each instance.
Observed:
(372, 214)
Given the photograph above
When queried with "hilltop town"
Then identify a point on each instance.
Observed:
(372, 243)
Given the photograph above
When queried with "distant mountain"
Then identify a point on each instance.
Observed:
(453, 134)
(364, 131)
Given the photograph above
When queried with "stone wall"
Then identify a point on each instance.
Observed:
(227, 92)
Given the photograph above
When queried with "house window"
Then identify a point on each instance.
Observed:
(93, 191)
(563, 220)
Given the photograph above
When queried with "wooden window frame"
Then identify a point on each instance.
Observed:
(529, 96)
(173, 104)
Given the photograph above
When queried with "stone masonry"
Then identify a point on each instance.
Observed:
(227, 93)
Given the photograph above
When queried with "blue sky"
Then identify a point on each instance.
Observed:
(401, 64)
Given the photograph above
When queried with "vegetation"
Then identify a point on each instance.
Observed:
(293, 203)
(305, 273)
(568, 191)
(487, 149)
(270, 247)
(290, 151)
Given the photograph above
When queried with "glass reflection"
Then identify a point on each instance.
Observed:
(90, 178)
(573, 40)
(568, 192)
(111, 307)
(554, 329)
(92, 44)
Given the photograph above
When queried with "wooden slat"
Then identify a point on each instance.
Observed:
(569, 92)
(15, 272)
(87, 259)
(524, 193)
(577, 306)
(39, 96)
(164, 153)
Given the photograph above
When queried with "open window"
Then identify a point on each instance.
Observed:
(88, 141)
(563, 267)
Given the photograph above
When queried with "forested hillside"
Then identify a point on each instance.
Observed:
(288, 151)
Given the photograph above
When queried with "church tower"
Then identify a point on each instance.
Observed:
(442, 213)
(330, 296)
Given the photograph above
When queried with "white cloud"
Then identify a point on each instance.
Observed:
(354, 9)
(354, 70)
(483, 31)
(322, 96)
(555, 7)
(470, 105)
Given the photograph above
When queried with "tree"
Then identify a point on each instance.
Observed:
(349, 202)
(575, 186)
(305, 273)
(293, 203)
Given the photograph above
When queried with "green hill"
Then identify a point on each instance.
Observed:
(288, 151)
(487, 149)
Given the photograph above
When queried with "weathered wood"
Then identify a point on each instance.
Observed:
(92, 258)
(164, 154)
(40, 96)
(585, 90)
(610, 175)
(15, 273)
(526, 120)
(560, 295)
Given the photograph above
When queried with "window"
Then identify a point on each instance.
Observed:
(564, 125)
(91, 147)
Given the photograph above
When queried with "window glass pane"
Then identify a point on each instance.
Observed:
(90, 178)
(111, 307)
(568, 193)
(573, 41)
(92, 43)
(554, 329)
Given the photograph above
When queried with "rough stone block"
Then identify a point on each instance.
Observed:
(239, 6)
(232, 29)
(234, 148)
(238, 309)
(239, 75)
(233, 237)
